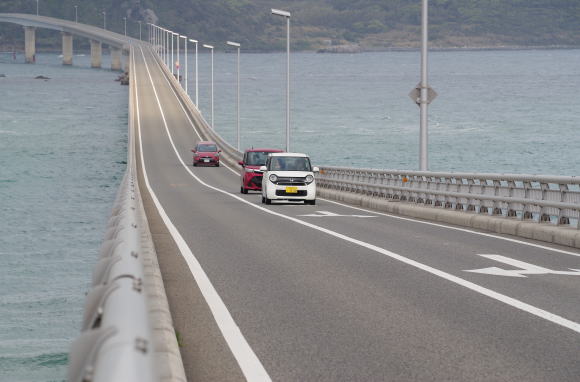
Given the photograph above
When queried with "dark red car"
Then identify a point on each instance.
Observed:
(206, 153)
(251, 175)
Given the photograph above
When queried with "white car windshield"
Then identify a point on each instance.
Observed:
(290, 164)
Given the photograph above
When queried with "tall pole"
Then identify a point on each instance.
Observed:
(104, 20)
(177, 62)
(167, 48)
(287, 15)
(36, 7)
(196, 87)
(423, 135)
(125, 22)
(237, 45)
(210, 47)
(172, 53)
(139, 29)
(186, 68)
(76, 14)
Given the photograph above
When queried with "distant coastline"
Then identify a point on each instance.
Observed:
(349, 49)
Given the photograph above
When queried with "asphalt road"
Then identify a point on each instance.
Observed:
(290, 292)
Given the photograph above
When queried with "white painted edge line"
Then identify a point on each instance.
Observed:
(456, 229)
(187, 115)
(249, 363)
(574, 326)
(382, 213)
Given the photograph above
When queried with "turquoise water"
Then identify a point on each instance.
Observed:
(62, 154)
(63, 151)
(497, 111)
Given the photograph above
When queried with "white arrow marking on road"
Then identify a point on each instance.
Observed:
(326, 214)
(525, 268)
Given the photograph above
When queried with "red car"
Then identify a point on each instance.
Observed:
(251, 174)
(206, 153)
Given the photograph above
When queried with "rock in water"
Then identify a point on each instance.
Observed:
(41, 78)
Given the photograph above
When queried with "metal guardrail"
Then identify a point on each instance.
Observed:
(126, 334)
(538, 198)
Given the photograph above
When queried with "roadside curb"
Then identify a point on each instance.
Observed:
(537, 231)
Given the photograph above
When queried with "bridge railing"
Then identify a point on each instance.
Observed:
(126, 334)
(554, 199)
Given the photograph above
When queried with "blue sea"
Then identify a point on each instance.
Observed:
(63, 151)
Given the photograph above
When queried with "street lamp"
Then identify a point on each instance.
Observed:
(104, 20)
(176, 63)
(237, 45)
(196, 87)
(76, 14)
(172, 61)
(166, 38)
(125, 21)
(210, 47)
(139, 29)
(287, 16)
(36, 7)
(185, 53)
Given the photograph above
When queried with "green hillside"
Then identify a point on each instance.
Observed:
(371, 24)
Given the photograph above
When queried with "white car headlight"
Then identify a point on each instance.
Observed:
(249, 170)
(309, 179)
(273, 178)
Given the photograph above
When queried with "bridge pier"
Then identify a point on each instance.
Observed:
(115, 58)
(67, 48)
(30, 44)
(96, 53)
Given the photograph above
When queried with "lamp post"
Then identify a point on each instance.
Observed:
(170, 32)
(287, 15)
(185, 54)
(167, 32)
(76, 14)
(210, 47)
(125, 22)
(237, 45)
(36, 7)
(177, 63)
(139, 29)
(104, 20)
(196, 87)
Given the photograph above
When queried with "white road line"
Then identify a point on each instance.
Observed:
(251, 366)
(574, 326)
(456, 228)
(384, 214)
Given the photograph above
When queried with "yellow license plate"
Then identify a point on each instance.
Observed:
(291, 190)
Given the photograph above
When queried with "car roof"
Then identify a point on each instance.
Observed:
(266, 150)
(289, 155)
(206, 143)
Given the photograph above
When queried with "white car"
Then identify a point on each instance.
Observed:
(288, 176)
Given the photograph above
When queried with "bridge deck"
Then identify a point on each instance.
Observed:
(335, 293)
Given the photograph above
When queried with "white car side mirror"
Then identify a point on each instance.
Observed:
(263, 168)
(315, 169)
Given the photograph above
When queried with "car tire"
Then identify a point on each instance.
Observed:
(263, 200)
(311, 202)
(268, 201)
(194, 164)
(243, 190)
(217, 165)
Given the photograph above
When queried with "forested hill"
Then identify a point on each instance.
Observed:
(370, 24)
